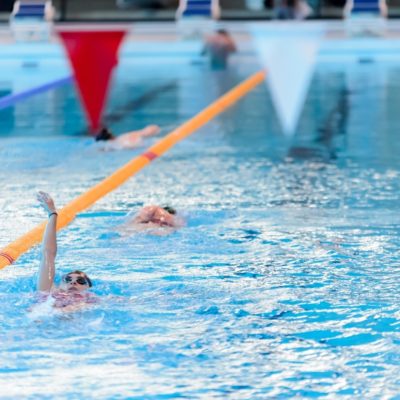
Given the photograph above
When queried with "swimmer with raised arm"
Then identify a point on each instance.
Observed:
(72, 294)
(129, 140)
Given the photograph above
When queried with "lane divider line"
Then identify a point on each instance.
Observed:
(67, 214)
(11, 99)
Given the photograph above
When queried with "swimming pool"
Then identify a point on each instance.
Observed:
(284, 282)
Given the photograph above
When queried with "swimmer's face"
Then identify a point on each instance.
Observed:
(74, 282)
(162, 217)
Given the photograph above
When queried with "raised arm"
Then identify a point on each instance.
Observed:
(49, 245)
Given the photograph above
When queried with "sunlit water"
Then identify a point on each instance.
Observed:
(285, 280)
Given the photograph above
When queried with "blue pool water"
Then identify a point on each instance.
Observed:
(283, 284)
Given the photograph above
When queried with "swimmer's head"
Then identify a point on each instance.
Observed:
(104, 134)
(170, 210)
(223, 32)
(76, 281)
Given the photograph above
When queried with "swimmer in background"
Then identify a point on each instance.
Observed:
(154, 220)
(129, 140)
(72, 294)
(219, 46)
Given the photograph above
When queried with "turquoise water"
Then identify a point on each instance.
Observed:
(285, 281)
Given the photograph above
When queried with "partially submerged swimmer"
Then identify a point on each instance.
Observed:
(155, 220)
(72, 294)
(219, 46)
(129, 140)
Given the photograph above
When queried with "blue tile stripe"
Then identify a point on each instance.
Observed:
(197, 12)
(198, 7)
(365, 6)
(30, 10)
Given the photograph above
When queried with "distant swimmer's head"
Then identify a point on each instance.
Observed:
(170, 210)
(223, 32)
(104, 134)
(76, 281)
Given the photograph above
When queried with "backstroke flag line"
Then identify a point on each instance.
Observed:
(288, 52)
(93, 55)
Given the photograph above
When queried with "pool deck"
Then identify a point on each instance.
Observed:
(166, 31)
(345, 40)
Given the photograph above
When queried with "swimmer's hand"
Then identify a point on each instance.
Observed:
(150, 130)
(46, 202)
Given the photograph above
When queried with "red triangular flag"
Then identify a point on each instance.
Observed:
(93, 55)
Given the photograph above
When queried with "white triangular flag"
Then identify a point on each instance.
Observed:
(288, 53)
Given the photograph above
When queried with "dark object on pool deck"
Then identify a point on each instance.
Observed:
(146, 4)
(6, 5)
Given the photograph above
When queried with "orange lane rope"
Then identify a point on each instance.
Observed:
(11, 252)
